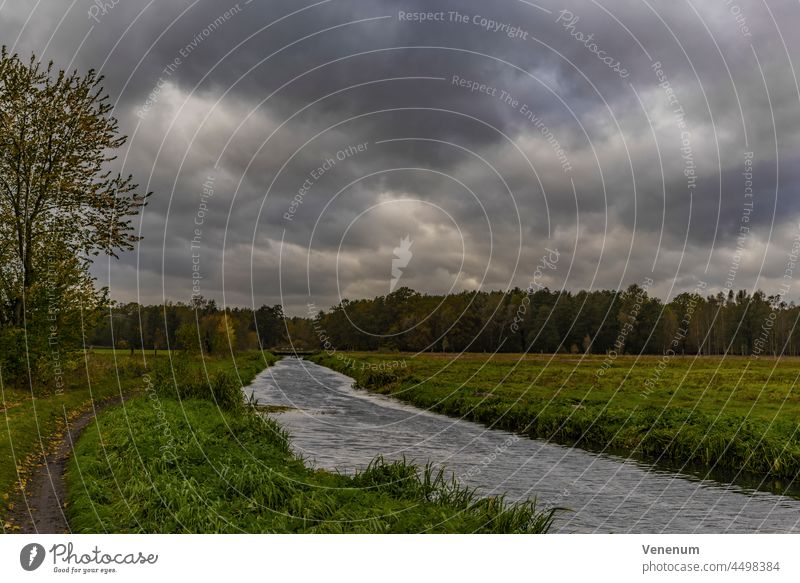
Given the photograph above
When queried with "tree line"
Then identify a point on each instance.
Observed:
(196, 326)
(630, 321)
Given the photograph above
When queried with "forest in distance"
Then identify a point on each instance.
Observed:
(592, 322)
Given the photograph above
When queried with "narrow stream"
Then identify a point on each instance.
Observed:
(336, 427)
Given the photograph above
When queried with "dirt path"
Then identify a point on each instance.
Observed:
(40, 510)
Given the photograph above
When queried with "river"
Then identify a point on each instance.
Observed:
(336, 427)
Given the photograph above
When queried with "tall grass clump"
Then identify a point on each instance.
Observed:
(183, 378)
(432, 484)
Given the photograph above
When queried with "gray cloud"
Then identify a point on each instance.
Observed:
(259, 95)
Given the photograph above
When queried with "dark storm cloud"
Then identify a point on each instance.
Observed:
(237, 112)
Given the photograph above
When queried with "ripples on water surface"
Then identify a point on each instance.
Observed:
(340, 428)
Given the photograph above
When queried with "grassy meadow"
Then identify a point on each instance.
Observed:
(732, 415)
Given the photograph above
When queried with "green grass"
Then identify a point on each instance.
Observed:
(188, 459)
(33, 421)
(729, 415)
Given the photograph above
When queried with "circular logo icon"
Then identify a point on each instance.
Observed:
(31, 556)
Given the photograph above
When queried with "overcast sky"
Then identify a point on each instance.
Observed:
(618, 133)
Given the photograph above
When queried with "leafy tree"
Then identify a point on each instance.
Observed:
(221, 333)
(60, 205)
(269, 325)
(188, 337)
(158, 340)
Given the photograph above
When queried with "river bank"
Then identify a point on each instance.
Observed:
(197, 460)
(734, 416)
(339, 428)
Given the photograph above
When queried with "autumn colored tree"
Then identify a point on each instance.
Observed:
(60, 204)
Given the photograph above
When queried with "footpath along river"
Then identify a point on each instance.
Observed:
(336, 427)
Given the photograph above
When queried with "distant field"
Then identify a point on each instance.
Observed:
(124, 351)
(730, 414)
